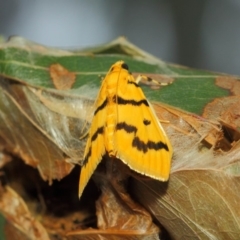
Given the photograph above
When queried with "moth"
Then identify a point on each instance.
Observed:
(124, 126)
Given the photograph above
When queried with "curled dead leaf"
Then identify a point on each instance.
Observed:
(29, 141)
(226, 109)
(118, 216)
(188, 124)
(17, 213)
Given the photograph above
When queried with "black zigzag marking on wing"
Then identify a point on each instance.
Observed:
(122, 101)
(99, 131)
(93, 138)
(101, 107)
(127, 127)
(142, 146)
(139, 144)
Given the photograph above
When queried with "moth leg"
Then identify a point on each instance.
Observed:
(163, 121)
(150, 81)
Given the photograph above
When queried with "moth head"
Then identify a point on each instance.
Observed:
(118, 66)
(124, 66)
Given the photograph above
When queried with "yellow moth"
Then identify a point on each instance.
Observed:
(124, 126)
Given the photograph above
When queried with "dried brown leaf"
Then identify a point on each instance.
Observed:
(118, 216)
(189, 125)
(13, 233)
(200, 201)
(111, 235)
(16, 212)
(228, 82)
(27, 140)
(198, 204)
(226, 109)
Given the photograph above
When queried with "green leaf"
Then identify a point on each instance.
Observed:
(29, 63)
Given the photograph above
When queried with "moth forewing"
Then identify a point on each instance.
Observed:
(140, 139)
(166, 155)
(125, 126)
(95, 148)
